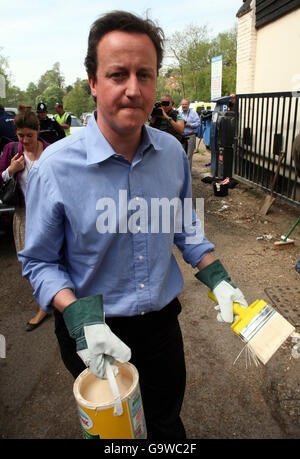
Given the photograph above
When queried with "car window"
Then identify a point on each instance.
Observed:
(75, 121)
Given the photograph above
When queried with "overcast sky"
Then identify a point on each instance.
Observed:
(34, 34)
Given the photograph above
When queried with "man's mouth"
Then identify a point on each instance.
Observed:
(131, 107)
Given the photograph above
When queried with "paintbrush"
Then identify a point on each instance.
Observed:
(262, 328)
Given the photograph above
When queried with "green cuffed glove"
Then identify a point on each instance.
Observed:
(95, 342)
(215, 277)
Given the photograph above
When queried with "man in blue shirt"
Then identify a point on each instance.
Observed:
(191, 124)
(104, 210)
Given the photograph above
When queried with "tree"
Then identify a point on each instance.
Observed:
(12, 95)
(226, 44)
(50, 96)
(31, 94)
(51, 77)
(78, 100)
(191, 52)
(5, 78)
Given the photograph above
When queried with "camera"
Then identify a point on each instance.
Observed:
(157, 110)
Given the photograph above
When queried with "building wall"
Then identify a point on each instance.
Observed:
(277, 64)
(268, 57)
(246, 50)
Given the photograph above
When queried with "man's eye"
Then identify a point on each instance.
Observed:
(144, 76)
(117, 75)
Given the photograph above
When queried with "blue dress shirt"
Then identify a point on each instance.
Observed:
(191, 117)
(86, 228)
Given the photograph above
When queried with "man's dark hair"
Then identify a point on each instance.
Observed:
(125, 22)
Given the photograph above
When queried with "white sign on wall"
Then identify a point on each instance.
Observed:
(2, 87)
(216, 77)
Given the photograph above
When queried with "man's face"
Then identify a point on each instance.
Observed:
(42, 115)
(185, 105)
(168, 107)
(125, 83)
(58, 109)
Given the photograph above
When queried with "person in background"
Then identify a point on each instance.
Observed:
(114, 289)
(168, 119)
(30, 148)
(24, 108)
(7, 128)
(50, 130)
(62, 117)
(191, 125)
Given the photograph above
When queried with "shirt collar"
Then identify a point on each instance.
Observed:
(99, 149)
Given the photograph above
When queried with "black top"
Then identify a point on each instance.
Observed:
(50, 130)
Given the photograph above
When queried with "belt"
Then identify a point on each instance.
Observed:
(188, 135)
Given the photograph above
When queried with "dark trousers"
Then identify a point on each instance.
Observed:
(157, 352)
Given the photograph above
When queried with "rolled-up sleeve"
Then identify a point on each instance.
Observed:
(42, 258)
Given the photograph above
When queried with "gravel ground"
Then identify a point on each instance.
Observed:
(224, 400)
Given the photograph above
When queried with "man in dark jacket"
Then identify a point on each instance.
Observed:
(7, 128)
(50, 130)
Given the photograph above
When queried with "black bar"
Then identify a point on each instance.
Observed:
(270, 140)
(260, 136)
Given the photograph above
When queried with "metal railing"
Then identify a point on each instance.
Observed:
(266, 125)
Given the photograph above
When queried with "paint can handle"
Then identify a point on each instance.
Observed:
(118, 410)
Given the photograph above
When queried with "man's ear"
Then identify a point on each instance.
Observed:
(92, 84)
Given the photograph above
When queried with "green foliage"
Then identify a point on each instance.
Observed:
(51, 77)
(190, 52)
(188, 74)
(50, 96)
(78, 100)
(32, 92)
(5, 78)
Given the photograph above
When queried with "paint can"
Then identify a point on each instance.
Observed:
(111, 408)
(220, 188)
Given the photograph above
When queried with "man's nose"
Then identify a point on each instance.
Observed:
(133, 87)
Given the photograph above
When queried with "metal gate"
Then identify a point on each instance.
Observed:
(266, 125)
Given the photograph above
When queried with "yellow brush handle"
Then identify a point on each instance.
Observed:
(245, 315)
(237, 308)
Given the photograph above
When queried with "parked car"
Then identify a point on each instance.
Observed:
(83, 115)
(86, 118)
(11, 110)
(76, 124)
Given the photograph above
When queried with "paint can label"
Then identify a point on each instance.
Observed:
(137, 415)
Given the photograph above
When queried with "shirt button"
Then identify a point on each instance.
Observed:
(141, 257)
(142, 285)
